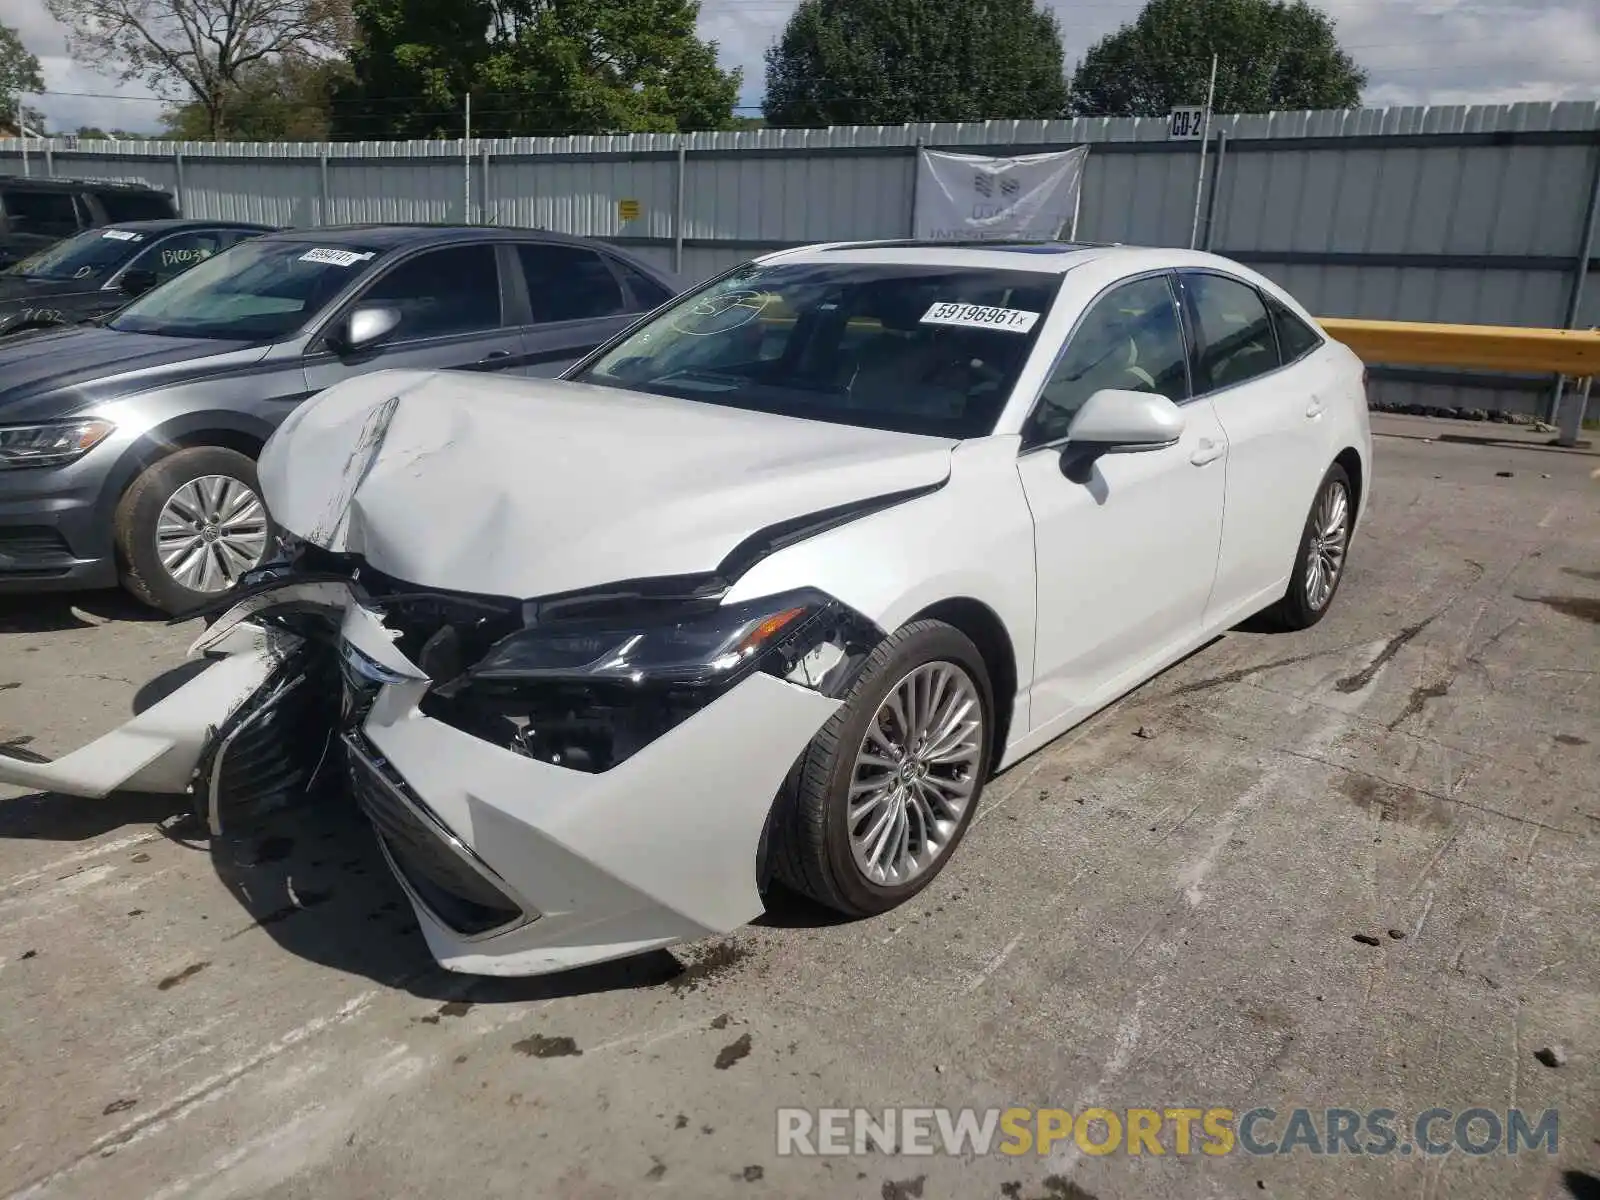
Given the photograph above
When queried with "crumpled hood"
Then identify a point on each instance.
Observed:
(525, 488)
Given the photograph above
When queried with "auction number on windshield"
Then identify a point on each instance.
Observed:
(980, 316)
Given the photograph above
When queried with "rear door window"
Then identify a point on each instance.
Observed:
(174, 255)
(1235, 332)
(568, 283)
(41, 212)
(647, 294)
(1296, 339)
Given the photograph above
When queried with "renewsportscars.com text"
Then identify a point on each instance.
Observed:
(1376, 1132)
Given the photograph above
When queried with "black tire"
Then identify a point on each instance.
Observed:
(809, 842)
(1296, 610)
(139, 510)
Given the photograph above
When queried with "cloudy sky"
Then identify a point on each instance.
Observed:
(1416, 51)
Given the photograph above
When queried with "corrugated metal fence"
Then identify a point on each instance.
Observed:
(1468, 214)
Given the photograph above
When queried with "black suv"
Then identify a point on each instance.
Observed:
(35, 212)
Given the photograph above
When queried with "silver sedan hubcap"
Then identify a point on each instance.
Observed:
(1330, 533)
(211, 531)
(915, 773)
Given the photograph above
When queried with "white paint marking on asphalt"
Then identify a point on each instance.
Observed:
(995, 963)
(1422, 919)
(1125, 1043)
(50, 870)
(311, 1135)
(1341, 712)
(79, 881)
(202, 1093)
(1544, 522)
(1340, 717)
(648, 1038)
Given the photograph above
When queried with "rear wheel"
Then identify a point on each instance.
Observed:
(888, 787)
(190, 526)
(1324, 547)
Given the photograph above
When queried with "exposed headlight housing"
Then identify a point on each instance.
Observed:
(589, 693)
(52, 444)
(699, 648)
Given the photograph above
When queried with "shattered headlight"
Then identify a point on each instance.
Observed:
(50, 445)
(588, 694)
(717, 643)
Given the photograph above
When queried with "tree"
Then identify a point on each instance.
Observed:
(1271, 56)
(532, 67)
(412, 63)
(198, 46)
(601, 66)
(287, 99)
(888, 62)
(19, 72)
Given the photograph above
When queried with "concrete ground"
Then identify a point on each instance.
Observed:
(1133, 921)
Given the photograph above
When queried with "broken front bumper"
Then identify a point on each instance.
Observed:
(514, 866)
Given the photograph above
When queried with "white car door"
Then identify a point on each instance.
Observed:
(1125, 561)
(1278, 449)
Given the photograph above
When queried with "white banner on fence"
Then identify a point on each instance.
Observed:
(967, 197)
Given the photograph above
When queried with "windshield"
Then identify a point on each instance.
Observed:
(917, 349)
(259, 290)
(92, 255)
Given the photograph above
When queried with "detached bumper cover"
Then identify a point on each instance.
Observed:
(160, 749)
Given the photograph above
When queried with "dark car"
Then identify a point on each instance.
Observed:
(128, 446)
(99, 271)
(34, 213)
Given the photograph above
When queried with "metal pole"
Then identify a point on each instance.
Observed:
(1205, 138)
(1575, 295)
(1211, 196)
(177, 167)
(327, 201)
(677, 212)
(50, 157)
(1077, 200)
(916, 184)
(488, 217)
(466, 167)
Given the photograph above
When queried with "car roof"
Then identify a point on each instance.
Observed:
(58, 182)
(1043, 257)
(178, 224)
(384, 236)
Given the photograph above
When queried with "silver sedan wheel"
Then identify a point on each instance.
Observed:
(211, 531)
(1330, 537)
(915, 773)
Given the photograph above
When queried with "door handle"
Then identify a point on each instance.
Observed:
(1314, 409)
(1207, 451)
(493, 355)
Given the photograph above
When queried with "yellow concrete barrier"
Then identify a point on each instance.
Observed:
(1571, 352)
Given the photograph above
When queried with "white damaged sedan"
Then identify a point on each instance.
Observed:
(765, 589)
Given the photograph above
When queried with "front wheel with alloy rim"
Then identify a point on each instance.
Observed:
(888, 787)
(189, 526)
(1324, 546)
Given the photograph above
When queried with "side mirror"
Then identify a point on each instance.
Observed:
(363, 328)
(1118, 422)
(136, 283)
